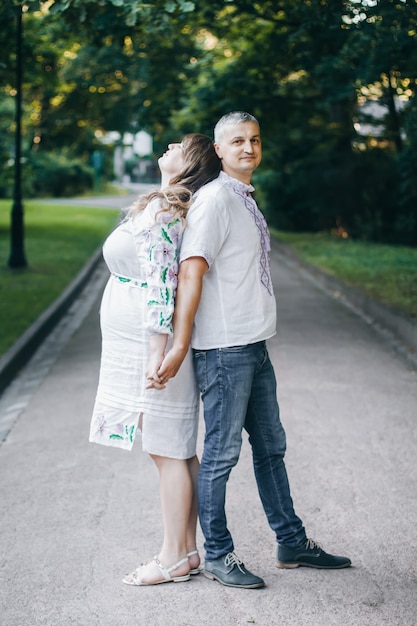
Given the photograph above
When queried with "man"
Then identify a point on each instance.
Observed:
(226, 302)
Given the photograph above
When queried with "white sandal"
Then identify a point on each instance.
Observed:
(134, 577)
(195, 570)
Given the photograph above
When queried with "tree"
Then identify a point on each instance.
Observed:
(387, 74)
(286, 63)
(110, 12)
(304, 68)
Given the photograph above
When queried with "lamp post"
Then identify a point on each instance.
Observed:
(17, 257)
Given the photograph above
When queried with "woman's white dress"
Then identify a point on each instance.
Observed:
(142, 256)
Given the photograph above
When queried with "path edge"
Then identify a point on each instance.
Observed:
(16, 357)
(399, 330)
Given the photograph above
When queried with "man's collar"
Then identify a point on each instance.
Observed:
(229, 180)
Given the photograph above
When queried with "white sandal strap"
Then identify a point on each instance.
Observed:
(181, 562)
(192, 553)
(166, 571)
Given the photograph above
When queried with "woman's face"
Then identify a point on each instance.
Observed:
(172, 161)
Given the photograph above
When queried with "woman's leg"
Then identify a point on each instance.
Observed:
(194, 559)
(176, 495)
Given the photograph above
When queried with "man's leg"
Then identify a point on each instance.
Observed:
(267, 438)
(268, 441)
(224, 413)
(224, 377)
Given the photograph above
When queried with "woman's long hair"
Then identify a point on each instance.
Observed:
(201, 165)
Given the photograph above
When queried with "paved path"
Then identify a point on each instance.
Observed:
(106, 202)
(75, 516)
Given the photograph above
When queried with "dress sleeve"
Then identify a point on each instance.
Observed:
(163, 242)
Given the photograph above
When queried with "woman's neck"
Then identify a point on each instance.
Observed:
(165, 178)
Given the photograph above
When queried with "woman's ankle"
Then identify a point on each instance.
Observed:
(193, 558)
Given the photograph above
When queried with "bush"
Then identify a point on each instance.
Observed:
(57, 174)
(370, 195)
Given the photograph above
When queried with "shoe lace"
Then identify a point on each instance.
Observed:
(233, 559)
(311, 544)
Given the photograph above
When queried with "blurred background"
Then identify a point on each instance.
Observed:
(107, 84)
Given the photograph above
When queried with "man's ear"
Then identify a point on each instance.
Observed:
(218, 150)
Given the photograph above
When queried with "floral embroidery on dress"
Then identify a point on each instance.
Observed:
(162, 244)
(101, 429)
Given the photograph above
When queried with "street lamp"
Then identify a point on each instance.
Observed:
(17, 254)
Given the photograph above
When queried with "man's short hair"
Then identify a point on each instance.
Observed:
(235, 117)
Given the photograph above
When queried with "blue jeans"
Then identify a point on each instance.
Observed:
(238, 388)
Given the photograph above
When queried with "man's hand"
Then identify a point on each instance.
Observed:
(171, 363)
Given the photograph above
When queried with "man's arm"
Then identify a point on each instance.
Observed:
(190, 284)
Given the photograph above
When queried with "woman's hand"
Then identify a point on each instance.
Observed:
(157, 344)
(152, 367)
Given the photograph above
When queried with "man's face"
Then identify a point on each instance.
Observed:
(240, 150)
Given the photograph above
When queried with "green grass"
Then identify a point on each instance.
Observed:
(58, 242)
(386, 273)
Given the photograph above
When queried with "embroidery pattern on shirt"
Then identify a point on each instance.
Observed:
(244, 192)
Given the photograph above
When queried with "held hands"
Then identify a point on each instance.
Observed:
(157, 344)
(159, 373)
(190, 284)
(171, 363)
(151, 372)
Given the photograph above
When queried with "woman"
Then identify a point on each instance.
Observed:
(136, 322)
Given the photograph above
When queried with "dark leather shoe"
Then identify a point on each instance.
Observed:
(230, 571)
(310, 554)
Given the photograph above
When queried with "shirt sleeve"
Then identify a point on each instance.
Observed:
(162, 249)
(207, 228)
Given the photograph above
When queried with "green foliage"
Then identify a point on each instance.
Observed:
(93, 70)
(305, 69)
(55, 174)
(406, 218)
